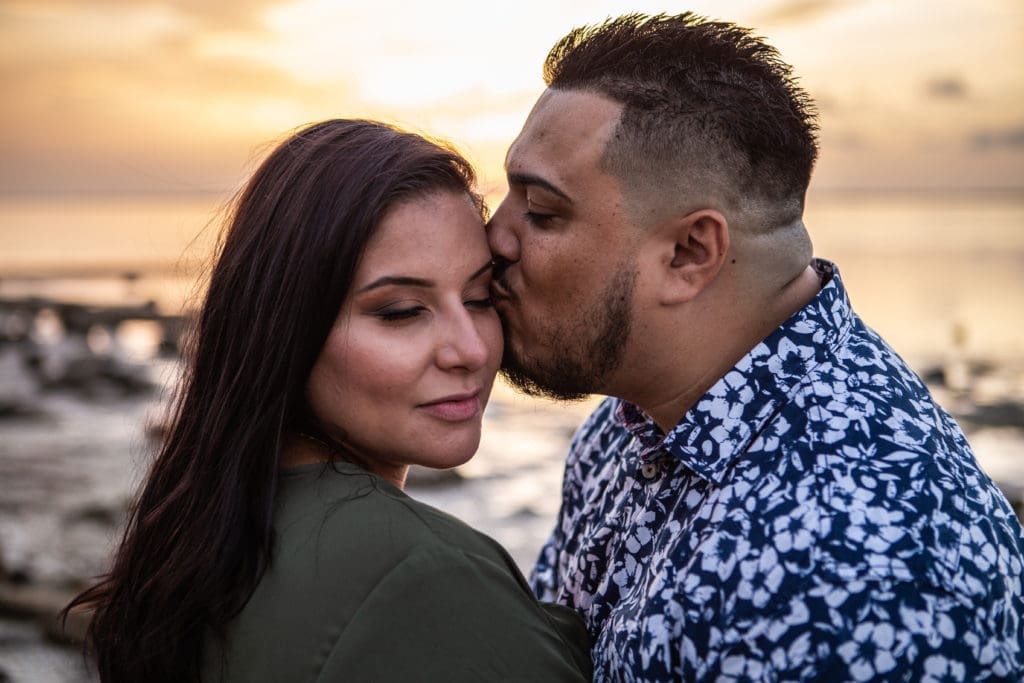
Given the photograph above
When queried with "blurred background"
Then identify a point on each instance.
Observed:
(127, 125)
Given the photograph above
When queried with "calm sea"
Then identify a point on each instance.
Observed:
(922, 269)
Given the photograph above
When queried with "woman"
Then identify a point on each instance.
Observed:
(347, 333)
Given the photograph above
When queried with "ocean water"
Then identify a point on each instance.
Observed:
(930, 272)
(923, 269)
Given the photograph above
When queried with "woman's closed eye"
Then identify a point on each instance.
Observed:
(404, 313)
(482, 303)
(400, 313)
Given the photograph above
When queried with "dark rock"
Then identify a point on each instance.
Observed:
(525, 512)
(1001, 414)
(96, 513)
(1015, 495)
(70, 630)
(16, 323)
(21, 410)
(938, 375)
(18, 577)
(934, 376)
(79, 318)
(62, 358)
(18, 392)
(23, 601)
(44, 604)
(71, 364)
(174, 329)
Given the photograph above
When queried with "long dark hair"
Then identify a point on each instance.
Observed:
(198, 538)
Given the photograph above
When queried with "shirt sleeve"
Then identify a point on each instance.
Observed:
(446, 615)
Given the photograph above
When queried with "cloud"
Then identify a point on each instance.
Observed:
(237, 15)
(826, 103)
(846, 141)
(800, 11)
(141, 106)
(946, 87)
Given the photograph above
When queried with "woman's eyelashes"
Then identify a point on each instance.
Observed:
(478, 296)
(486, 302)
(399, 313)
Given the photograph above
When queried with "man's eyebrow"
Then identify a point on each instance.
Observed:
(402, 280)
(530, 179)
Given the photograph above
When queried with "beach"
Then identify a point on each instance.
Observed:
(88, 357)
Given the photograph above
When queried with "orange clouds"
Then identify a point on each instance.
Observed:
(129, 95)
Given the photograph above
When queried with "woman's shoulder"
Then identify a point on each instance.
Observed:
(357, 565)
(345, 506)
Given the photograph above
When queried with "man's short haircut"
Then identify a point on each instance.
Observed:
(707, 108)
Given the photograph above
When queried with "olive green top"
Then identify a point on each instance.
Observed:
(367, 584)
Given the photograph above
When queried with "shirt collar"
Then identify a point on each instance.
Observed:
(726, 420)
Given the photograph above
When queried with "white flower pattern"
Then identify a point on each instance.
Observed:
(816, 516)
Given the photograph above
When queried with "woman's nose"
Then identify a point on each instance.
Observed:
(462, 345)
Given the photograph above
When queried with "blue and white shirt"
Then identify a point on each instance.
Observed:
(815, 516)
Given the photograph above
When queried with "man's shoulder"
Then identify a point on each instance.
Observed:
(898, 494)
(868, 392)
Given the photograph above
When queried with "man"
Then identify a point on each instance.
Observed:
(770, 493)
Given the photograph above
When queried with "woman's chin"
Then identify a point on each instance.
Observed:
(457, 453)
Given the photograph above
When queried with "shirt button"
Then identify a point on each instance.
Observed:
(649, 470)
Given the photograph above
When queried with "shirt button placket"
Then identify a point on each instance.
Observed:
(649, 470)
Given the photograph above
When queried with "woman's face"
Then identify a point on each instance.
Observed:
(405, 373)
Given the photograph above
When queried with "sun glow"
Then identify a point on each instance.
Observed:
(111, 96)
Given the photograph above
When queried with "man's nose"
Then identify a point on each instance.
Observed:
(501, 234)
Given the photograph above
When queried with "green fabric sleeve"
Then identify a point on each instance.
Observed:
(446, 615)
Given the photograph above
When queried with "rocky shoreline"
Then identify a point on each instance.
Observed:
(73, 390)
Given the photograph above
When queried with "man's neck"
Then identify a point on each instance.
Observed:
(667, 387)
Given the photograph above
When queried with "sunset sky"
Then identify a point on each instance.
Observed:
(135, 96)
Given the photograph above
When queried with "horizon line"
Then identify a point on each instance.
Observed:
(230, 192)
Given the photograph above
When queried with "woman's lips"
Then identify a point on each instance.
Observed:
(455, 408)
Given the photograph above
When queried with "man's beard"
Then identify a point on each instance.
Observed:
(580, 354)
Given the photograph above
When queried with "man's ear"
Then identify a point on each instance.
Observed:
(693, 250)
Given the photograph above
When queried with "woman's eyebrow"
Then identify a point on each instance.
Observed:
(406, 281)
(396, 280)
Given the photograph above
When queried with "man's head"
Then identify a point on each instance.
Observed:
(662, 147)
(707, 109)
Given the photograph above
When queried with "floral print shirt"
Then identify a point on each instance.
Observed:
(814, 517)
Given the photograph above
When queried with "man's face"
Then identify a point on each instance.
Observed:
(565, 295)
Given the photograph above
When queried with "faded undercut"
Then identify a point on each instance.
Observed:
(711, 115)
